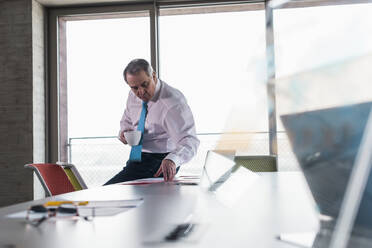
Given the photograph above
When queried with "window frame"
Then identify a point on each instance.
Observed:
(56, 90)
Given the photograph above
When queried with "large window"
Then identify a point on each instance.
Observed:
(97, 53)
(216, 58)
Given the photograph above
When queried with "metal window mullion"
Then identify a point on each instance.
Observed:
(201, 3)
(287, 4)
(52, 106)
(154, 38)
(270, 60)
(62, 92)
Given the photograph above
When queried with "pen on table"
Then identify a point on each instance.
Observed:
(181, 231)
(57, 203)
(190, 226)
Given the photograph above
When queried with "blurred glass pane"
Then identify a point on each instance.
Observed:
(323, 63)
(322, 58)
(361, 231)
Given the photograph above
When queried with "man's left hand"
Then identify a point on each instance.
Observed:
(168, 168)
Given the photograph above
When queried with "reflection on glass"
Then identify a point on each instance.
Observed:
(320, 36)
(322, 59)
(326, 143)
(323, 98)
(361, 231)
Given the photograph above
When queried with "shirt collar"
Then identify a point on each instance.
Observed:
(157, 91)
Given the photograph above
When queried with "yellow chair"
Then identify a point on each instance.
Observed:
(74, 176)
(262, 163)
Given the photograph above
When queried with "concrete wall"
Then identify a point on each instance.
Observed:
(19, 70)
(38, 17)
(38, 68)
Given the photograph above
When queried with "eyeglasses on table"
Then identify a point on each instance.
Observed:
(37, 214)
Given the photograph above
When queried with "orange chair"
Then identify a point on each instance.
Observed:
(53, 178)
(74, 175)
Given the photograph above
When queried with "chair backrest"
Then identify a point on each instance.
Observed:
(262, 163)
(53, 178)
(74, 176)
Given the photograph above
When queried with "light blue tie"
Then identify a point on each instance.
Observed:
(135, 153)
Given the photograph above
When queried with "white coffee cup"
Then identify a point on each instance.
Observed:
(133, 137)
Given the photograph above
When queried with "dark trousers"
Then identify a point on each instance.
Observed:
(149, 165)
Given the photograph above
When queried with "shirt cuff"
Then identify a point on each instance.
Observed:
(174, 158)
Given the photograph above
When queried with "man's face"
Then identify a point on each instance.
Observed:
(142, 85)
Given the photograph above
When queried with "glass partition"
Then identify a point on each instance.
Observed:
(323, 90)
(321, 59)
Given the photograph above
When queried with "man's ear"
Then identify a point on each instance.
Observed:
(154, 76)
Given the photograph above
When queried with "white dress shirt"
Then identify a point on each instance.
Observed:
(169, 125)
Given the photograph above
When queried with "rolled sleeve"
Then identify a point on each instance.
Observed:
(180, 126)
(126, 122)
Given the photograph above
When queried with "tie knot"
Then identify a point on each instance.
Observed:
(144, 104)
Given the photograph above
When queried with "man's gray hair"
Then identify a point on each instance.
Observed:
(137, 65)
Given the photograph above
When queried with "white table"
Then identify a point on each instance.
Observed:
(275, 203)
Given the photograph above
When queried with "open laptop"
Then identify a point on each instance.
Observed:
(325, 143)
(224, 178)
(216, 170)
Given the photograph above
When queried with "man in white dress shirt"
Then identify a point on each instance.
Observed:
(169, 138)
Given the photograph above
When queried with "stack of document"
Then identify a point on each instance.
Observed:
(179, 180)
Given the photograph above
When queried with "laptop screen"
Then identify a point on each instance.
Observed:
(325, 143)
(216, 170)
(228, 181)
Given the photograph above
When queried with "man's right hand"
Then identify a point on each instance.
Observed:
(122, 138)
